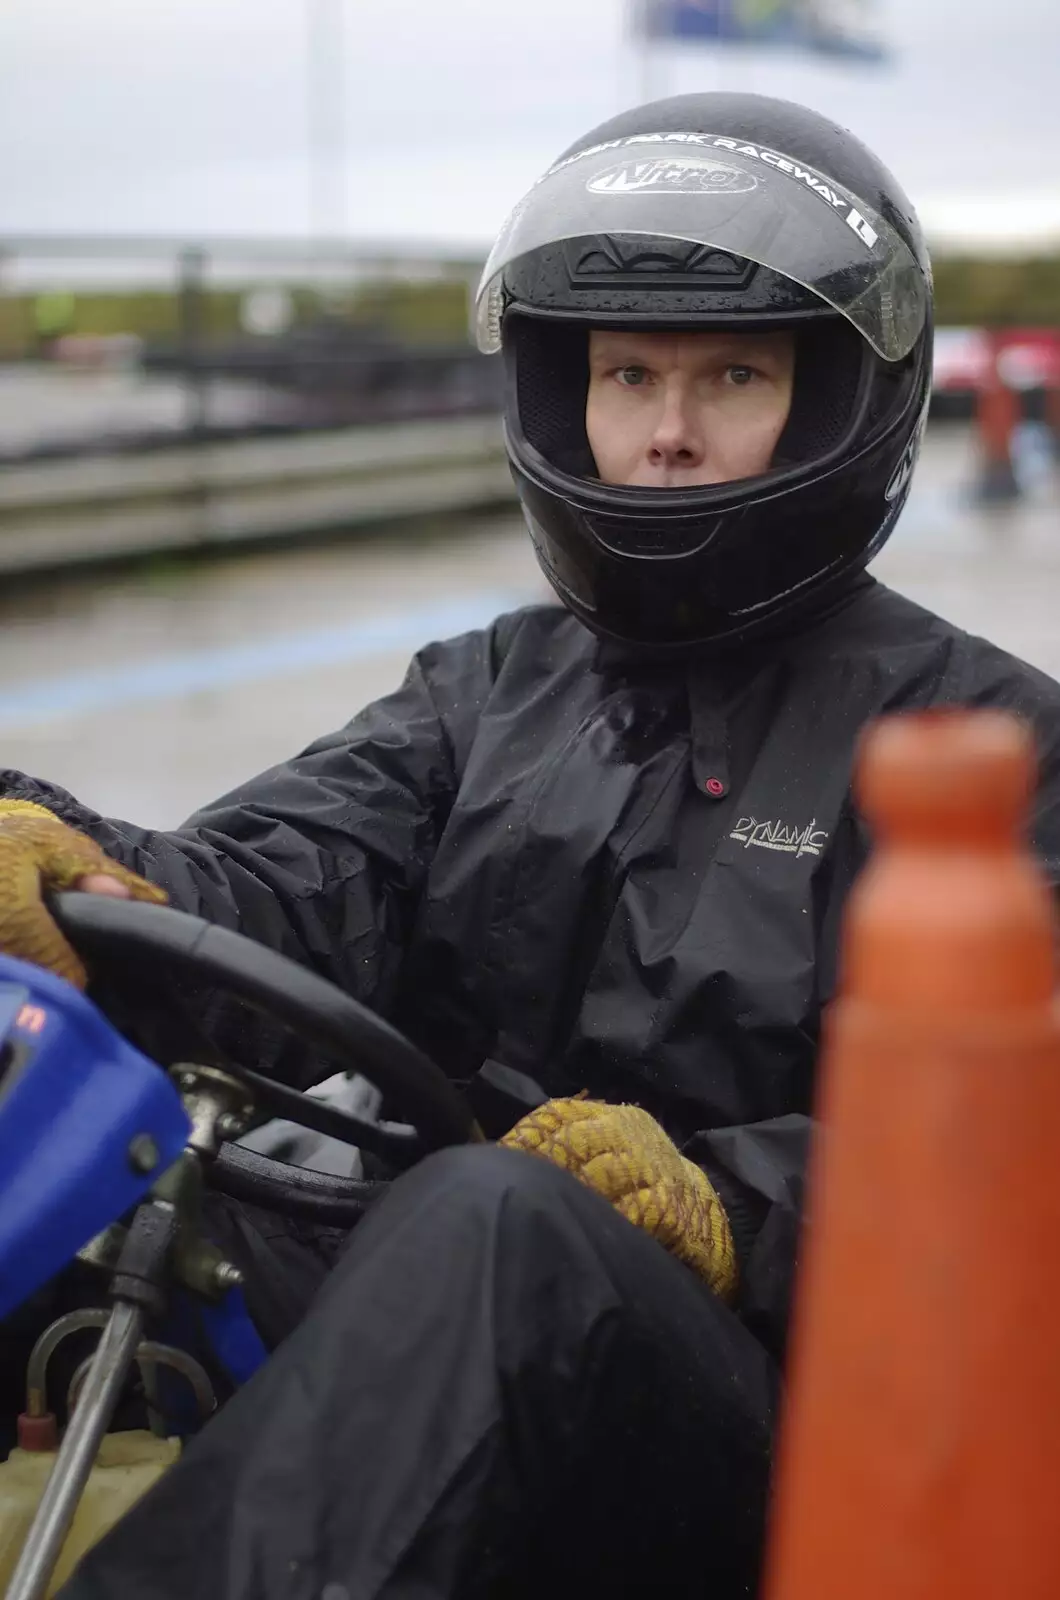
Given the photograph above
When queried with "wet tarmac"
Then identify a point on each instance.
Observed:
(150, 693)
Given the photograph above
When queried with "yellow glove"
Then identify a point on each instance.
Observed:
(622, 1153)
(38, 853)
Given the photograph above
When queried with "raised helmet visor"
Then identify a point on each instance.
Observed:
(730, 195)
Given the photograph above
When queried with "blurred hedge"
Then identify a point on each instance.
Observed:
(416, 312)
(996, 293)
(968, 291)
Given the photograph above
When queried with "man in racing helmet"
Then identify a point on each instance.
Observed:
(652, 228)
(593, 859)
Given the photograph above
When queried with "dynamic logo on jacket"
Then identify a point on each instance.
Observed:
(778, 836)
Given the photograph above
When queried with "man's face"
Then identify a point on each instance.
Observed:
(669, 410)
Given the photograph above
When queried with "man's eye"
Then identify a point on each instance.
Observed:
(741, 375)
(632, 376)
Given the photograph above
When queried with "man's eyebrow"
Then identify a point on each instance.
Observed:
(616, 342)
(721, 339)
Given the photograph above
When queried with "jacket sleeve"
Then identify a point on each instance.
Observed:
(322, 858)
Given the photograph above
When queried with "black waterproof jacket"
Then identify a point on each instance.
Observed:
(605, 874)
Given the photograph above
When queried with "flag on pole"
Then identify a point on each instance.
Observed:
(830, 27)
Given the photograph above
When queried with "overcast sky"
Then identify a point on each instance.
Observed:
(190, 116)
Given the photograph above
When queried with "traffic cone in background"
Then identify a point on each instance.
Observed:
(997, 416)
(1052, 413)
(920, 1451)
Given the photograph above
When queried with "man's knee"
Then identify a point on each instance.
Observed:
(488, 1169)
(508, 1211)
(489, 1178)
(478, 1232)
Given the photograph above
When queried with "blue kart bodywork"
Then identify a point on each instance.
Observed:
(87, 1125)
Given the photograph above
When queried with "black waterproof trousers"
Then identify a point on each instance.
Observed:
(501, 1389)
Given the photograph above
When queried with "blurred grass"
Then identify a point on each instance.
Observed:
(969, 291)
(417, 313)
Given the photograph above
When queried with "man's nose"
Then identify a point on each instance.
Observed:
(677, 438)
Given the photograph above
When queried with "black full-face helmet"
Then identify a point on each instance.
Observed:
(714, 212)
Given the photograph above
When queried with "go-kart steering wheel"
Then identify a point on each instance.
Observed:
(107, 931)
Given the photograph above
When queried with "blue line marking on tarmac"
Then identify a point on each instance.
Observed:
(166, 677)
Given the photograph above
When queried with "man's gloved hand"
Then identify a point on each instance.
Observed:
(38, 854)
(622, 1153)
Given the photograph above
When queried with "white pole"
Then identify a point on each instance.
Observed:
(646, 89)
(644, 49)
(326, 118)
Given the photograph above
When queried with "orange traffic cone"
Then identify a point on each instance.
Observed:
(997, 416)
(920, 1455)
(1052, 413)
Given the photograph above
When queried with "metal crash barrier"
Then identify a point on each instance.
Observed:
(156, 396)
(204, 496)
